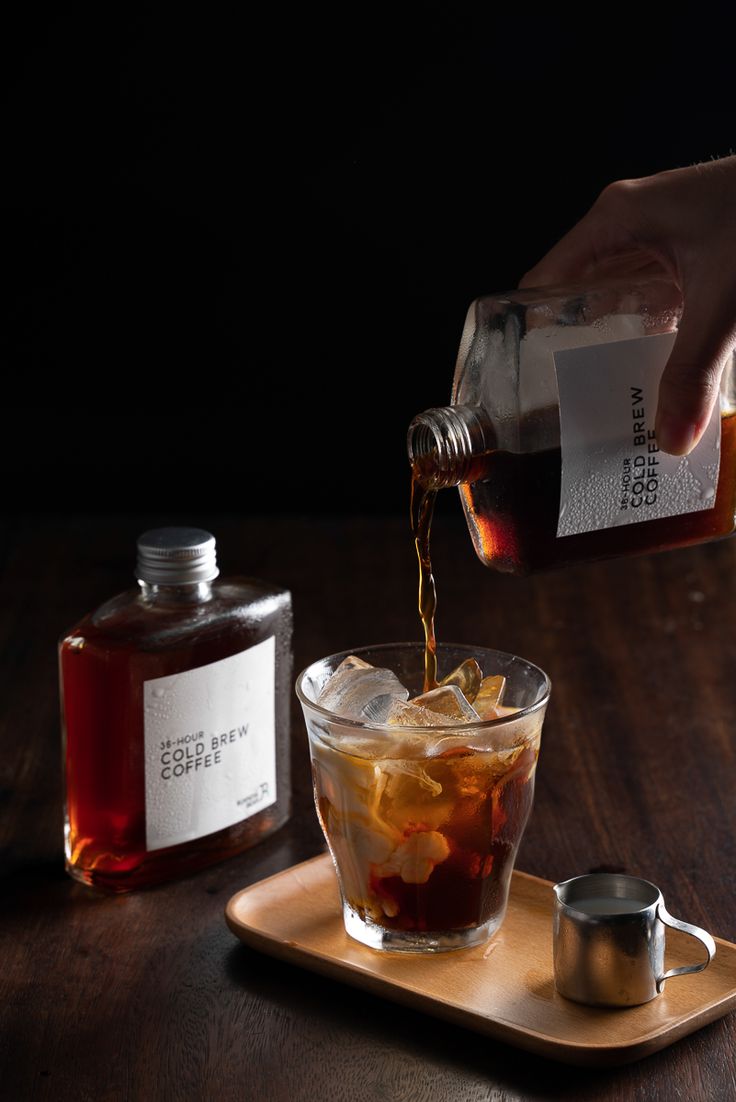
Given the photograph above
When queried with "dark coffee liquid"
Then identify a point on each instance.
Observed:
(514, 509)
(487, 815)
(483, 831)
(422, 508)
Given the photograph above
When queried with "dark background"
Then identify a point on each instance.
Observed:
(239, 247)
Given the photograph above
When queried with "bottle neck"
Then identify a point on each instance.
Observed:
(192, 593)
(447, 445)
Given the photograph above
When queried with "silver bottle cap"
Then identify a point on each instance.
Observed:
(176, 556)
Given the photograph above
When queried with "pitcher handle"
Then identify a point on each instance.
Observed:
(695, 931)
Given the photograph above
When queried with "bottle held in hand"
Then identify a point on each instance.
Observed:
(550, 435)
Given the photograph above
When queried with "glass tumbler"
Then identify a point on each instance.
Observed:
(424, 823)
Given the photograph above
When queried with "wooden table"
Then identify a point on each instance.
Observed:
(149, 996)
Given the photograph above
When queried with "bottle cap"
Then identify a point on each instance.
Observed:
(176, 556)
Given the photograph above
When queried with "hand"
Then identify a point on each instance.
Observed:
(685, 221)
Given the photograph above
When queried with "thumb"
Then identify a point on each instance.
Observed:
(690, 383)
(607, 236)
(568, 260)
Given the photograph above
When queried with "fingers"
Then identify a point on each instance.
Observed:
(690, 383)
(685, 406)
(570, 258)
(669, 222)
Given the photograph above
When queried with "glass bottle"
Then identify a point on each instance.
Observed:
(550, 434)
(175, 716)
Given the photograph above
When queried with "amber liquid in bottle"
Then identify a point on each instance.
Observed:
(104, 662)
(512, 501)
(513, 508)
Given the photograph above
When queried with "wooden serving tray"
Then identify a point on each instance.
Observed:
(504, 988)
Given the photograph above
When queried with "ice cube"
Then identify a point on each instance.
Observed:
(352, 662)
(487, 702)
(360, 691)
(376, 710)
(415, 859)
(409, 714)
(447, 700)
(467, 676)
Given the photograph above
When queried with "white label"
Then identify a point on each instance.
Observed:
(210, 746)
(612, 471)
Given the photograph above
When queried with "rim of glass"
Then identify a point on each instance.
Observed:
(599, 879)
(457, 728)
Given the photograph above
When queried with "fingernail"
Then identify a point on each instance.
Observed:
(676, 435)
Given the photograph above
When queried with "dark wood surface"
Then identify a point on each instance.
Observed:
(149, 996)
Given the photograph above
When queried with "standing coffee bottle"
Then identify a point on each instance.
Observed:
(550, 434)
(175, 712)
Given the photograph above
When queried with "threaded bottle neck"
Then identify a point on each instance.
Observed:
(445, 444)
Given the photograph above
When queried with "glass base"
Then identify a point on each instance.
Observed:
(416, 941)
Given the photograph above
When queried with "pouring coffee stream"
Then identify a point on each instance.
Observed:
(422, 509)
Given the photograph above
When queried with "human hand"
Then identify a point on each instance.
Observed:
(685, 221)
